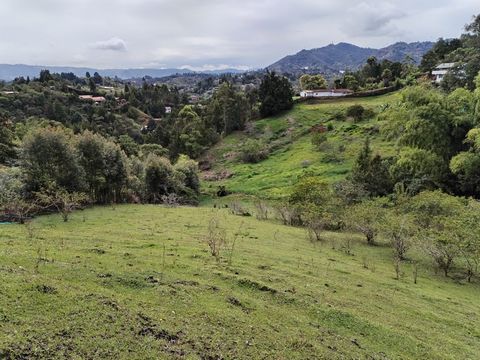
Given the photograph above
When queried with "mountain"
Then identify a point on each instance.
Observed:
(10, 72)
(342, 56)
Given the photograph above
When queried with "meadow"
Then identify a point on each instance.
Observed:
(292, 153)
(139, 282)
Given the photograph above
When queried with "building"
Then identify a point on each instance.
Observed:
(95, 99)
(441, 70)
(168, 109)
(320, 93)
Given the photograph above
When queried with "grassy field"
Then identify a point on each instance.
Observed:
(294, 153)
(138, 282)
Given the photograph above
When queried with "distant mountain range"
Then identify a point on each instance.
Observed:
(344, 56)
(10, 72)
(329, 59)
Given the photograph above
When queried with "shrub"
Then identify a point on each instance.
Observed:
(216, 237)
(356, 112)
(319, 140)
(159, 178)
(254, 151)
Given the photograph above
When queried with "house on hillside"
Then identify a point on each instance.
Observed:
(321, 93)
(168, 109)
(95, 99)
(441, 70)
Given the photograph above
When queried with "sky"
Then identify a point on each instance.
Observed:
(211, 34)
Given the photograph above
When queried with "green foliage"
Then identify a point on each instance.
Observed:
(371, 172)
(159, 178)
(448, 229)
(228, 110)
(319, 140)
(254, 151)
(128, 145)
(189, 169)
(155, 149)
(48, 157)
(313, 82)
(366, 218)
(7, 147)
(418, 169)
(275, 94)
(355, 112)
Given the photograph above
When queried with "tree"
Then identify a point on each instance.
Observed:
(64, 202)
(48, 157)
(91, 150)
(275, 95)
(365, 218)
(159, 178)
(7, 147)
(371, 172)
(228, 110)
(189, 170)
(188, 134)
(448, 228)
(418, 169)
(13, 206)
(128, 145)
(45, 76)
(313, 82)
(399, 229)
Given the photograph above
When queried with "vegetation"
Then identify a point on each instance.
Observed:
(141, 279)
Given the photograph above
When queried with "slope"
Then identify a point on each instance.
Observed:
(293, 153)
(137, 282)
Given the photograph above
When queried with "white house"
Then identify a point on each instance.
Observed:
(168, 109)
(440, 71)
(325, 93)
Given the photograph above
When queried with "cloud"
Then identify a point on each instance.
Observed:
(253, 33)
(113, 44)
(373, 19)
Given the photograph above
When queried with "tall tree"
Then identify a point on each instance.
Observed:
(276, 94)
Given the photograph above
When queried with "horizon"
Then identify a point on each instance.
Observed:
(220, 68)
(165, 34)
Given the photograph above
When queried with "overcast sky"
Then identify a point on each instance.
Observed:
(211, 33)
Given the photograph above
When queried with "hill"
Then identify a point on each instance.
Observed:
(292, 151)
(9, 72)
(139, 282)
(343, 56)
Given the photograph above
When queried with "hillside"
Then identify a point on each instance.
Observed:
(293, 152)
(138, 282)
(343, 56)
(9, 72)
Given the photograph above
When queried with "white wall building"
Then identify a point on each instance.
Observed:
(441, 70)
(325, 93)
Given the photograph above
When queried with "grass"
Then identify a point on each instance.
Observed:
(138, 282)
(289, 135)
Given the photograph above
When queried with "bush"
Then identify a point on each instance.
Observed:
(319, 140)
(254, 151)
(356, 112)
(159, 178)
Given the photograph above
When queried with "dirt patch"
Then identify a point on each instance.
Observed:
(256, 286)
(235, 302)
(98, 251)
(46, 289)
(149, 328)
(217, 175)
